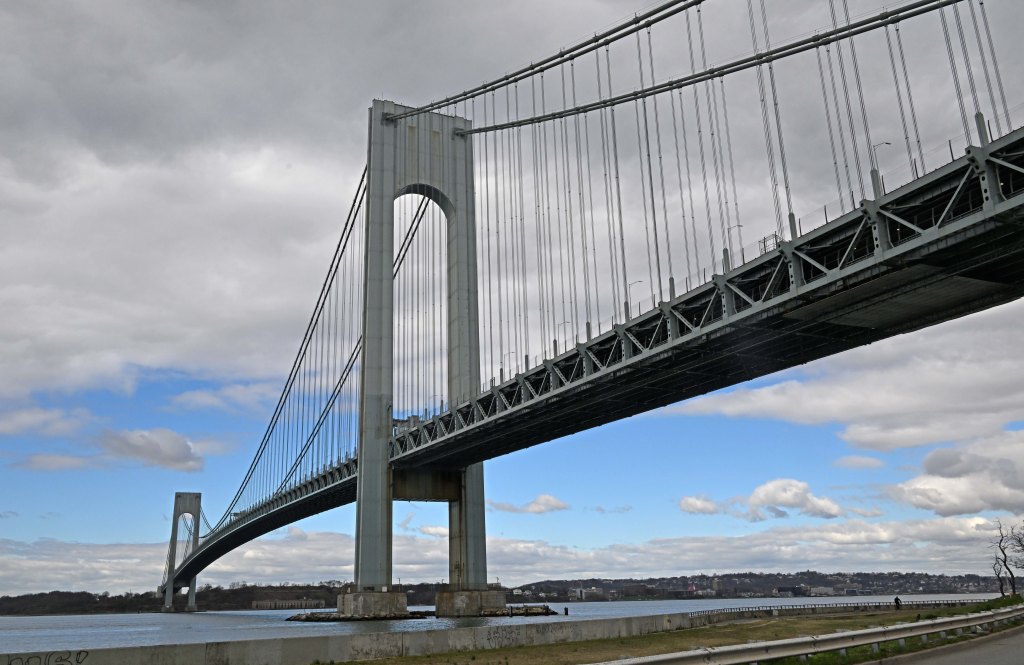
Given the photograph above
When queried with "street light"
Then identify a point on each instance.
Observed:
(501, 367)
(629, 295)
(874, 152)
(876, 180)
(557, 327)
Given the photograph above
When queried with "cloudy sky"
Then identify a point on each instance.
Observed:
(173, 179)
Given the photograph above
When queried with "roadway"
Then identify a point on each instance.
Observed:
(1004, 648)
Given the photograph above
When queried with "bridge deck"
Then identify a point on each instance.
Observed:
(944, 246)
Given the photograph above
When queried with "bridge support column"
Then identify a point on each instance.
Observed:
(421, 154)
(185, 503)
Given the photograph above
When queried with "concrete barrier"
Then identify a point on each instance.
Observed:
(369, 646)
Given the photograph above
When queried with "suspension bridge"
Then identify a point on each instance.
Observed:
(563, 247)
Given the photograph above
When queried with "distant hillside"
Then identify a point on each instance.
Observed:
(241, 596)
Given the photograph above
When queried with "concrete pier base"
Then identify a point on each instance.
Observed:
(373, 605)
(469, 603)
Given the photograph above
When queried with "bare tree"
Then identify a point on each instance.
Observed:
(1017, 546)
(997, 569)
(1004, 548)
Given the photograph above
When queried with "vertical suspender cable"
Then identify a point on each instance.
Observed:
(860, 91)
(590, 208)
(711, 98)
(849, 108)
(766, 124)
(700, 141)
(689, 190)
(538, 225)
(661, 172)
(967, 59)
(995, 64)
(499, 223)
(582, 202)
(839, 124)
(682, 199)
(613, 264)
(570, 231)
(831, 132)
(899, 101)
(522, 237)
(723, 188)
(561, 180)
(956, 77)
(910, 98)
(732, 171)
(618, 186)
(984, 67)
(778, 112)
(644, 141)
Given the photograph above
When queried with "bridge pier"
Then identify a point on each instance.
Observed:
(420, 154)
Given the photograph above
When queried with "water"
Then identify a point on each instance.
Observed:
(94, 631)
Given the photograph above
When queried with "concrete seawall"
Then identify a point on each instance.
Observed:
(305, 650)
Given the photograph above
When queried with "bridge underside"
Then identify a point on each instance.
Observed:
(982, 268)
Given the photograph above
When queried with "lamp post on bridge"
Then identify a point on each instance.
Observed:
(876, 179)
(629, 298)
(501, 367)
(557, 328)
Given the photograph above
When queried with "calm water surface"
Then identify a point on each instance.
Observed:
(116, 630)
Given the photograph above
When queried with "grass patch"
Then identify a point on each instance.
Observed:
(738, 632)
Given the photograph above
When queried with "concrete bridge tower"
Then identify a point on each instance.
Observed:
(419, 154)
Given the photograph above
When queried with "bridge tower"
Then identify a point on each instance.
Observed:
(419, 154)
(185, 503)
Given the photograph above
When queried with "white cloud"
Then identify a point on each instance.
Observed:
(544, 503)
(698, 505)
(772, 499)
(987, 474)
(954, 382)
(610, 511)
(56, 462)
(776, 495)
(46, 422)
(253, 397)
(940, 545)
(858, 462)
(434, 530)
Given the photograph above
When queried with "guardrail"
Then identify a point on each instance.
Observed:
(908, 604)
(803, 646)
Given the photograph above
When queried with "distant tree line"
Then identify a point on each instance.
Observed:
(1007, 554)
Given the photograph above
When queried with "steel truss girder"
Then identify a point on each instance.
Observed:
(641, 337)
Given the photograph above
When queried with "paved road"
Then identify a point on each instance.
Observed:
(1000, 649)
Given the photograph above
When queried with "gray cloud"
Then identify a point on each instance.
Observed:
(156, 447)
(941, 545)
(981, 475)
(858, 462)
(7, 514)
